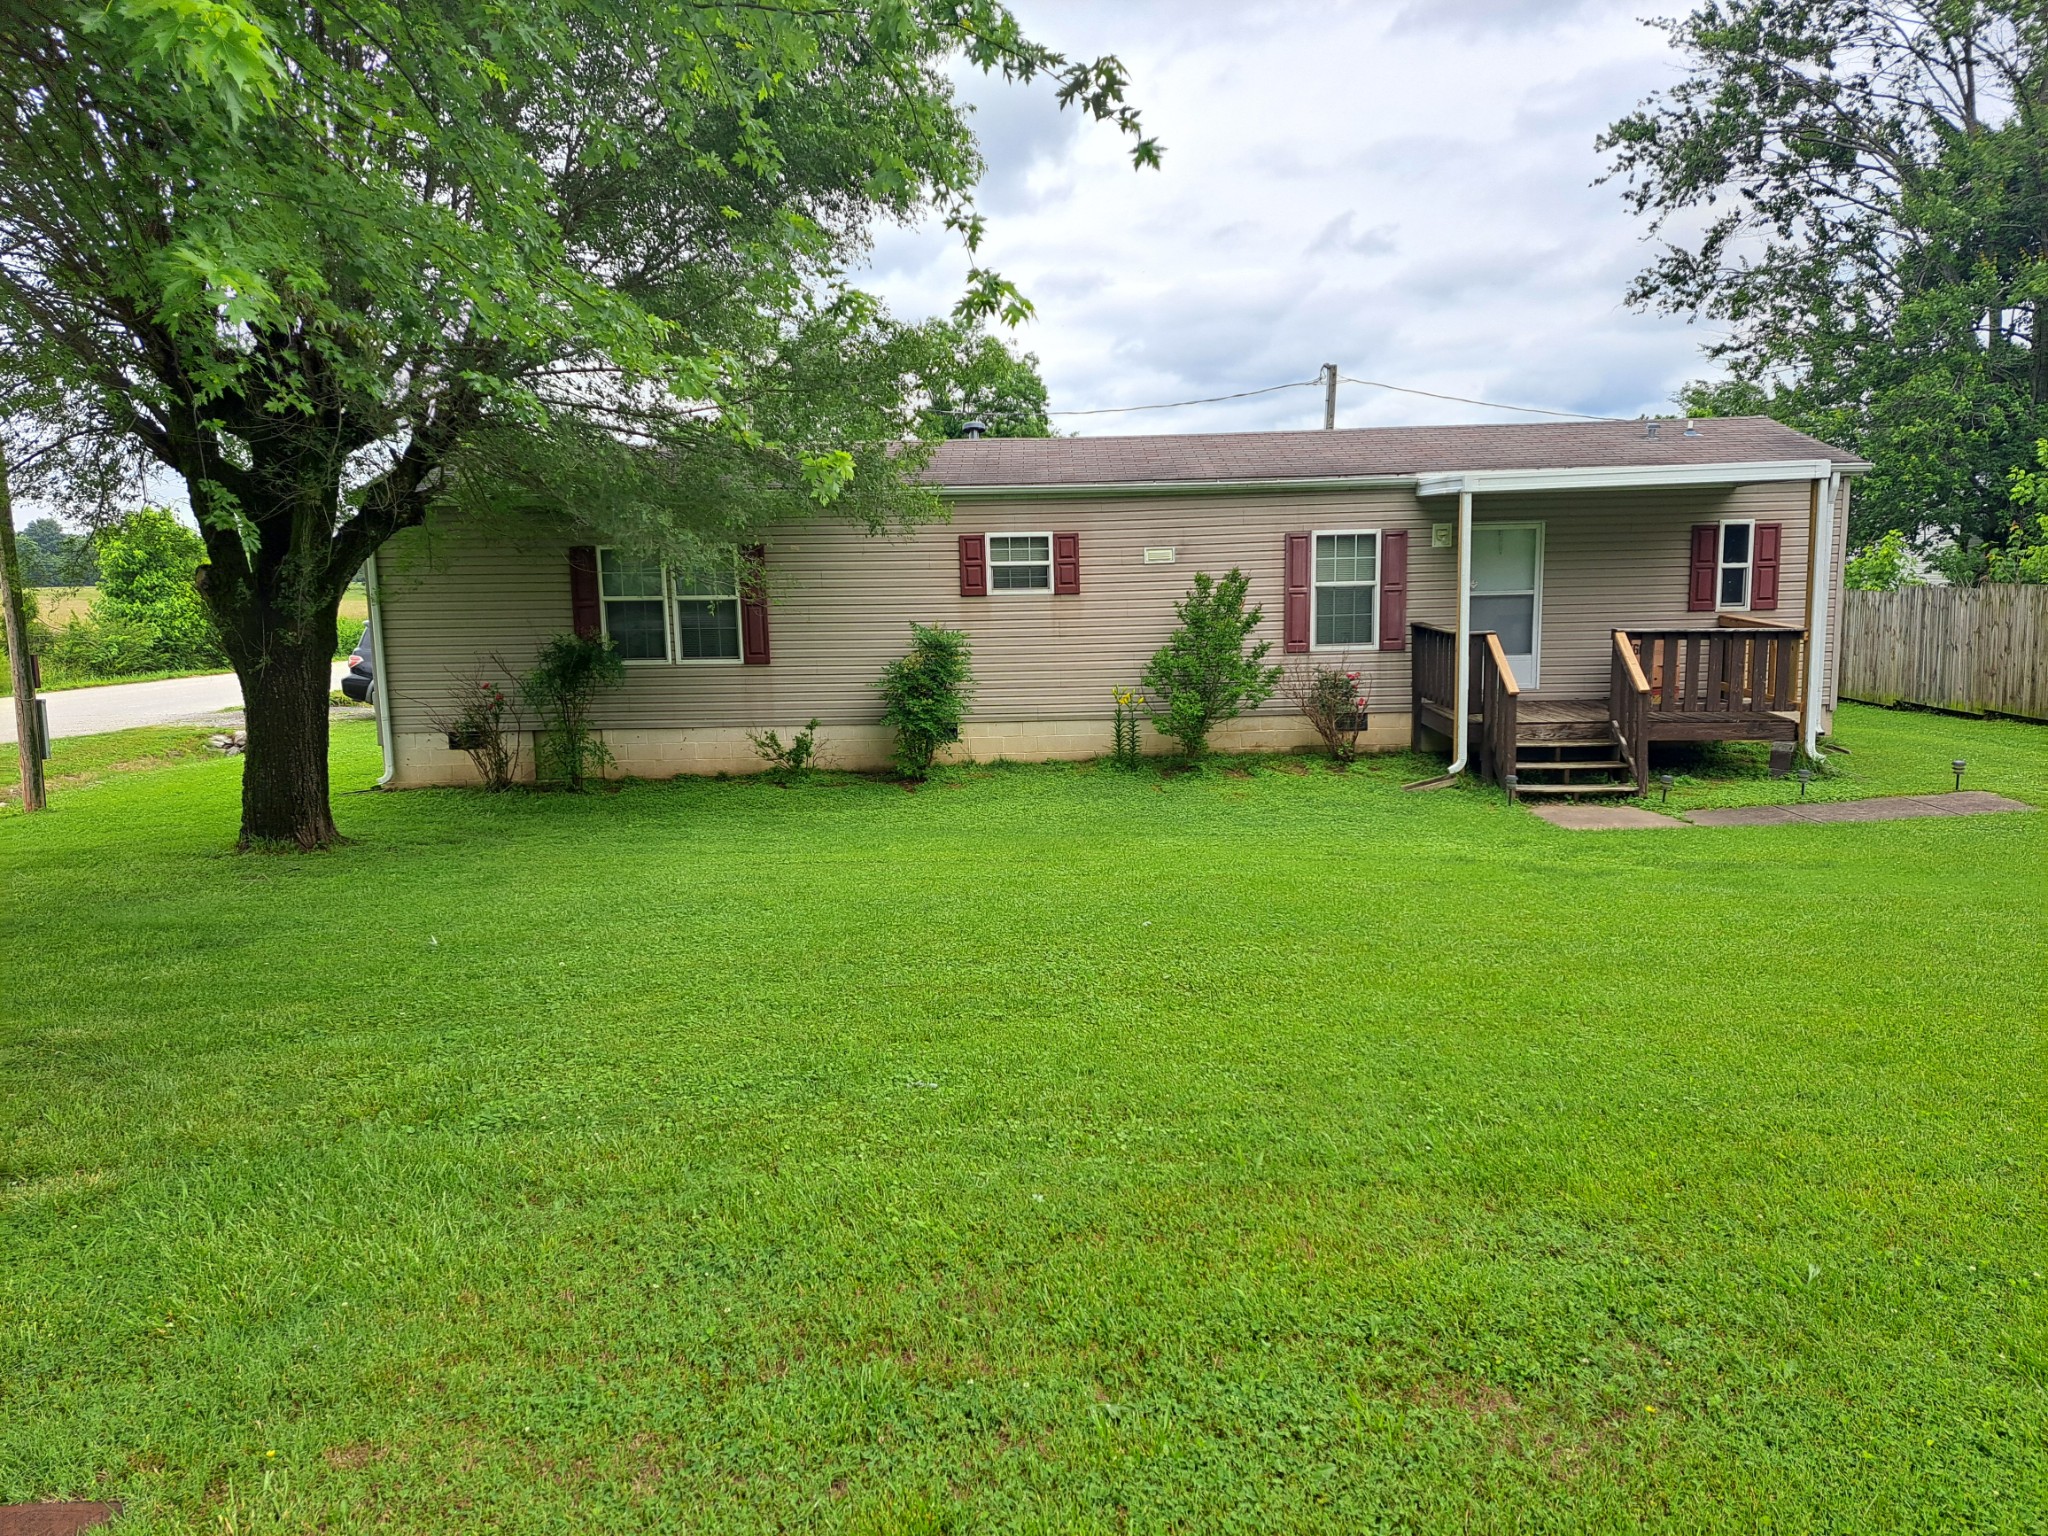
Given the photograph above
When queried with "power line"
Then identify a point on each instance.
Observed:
(1171, 405)
(1491, 405)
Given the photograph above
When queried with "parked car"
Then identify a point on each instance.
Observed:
(360, 683)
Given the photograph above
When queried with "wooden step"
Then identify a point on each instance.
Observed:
(1609, 764)
(1626, 788)
(1553, 732)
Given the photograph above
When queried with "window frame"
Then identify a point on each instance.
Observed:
(668, 618)
(671, 639)
(1315, 587)
(1722, 565)
(988, 559)
(739, 620)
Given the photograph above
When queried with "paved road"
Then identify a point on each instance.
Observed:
(120, 706)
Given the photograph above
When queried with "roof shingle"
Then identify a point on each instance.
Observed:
(1198, 457)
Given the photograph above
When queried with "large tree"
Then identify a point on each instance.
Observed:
(1857, 190)
(337, 265)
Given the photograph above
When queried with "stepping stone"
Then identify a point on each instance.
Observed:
(54, 1519)
(1601, 818)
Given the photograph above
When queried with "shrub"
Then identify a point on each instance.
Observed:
(786, 761)
(480, 724)
(1330, 701)
(2024, 560)
(348, 634)
(925, 696)
(1205, 674)
(147, 561)
(568, 677)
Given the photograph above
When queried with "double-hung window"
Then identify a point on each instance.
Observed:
(1738, 555)
(653, 613)
(1020, 562)
(635, 596)
(708, 612)
(1347, 589)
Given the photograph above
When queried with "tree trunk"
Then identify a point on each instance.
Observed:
(284, 764)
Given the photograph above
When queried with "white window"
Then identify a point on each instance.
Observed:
(652, 613)
(708, 612)
(1020, 562)
(1347, 590)
(635, 604)
(1738, 555)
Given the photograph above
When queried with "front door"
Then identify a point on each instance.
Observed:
(1507, 592)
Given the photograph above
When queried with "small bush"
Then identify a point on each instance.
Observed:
(568, 678)
(481, 725)
(1205, 674)
(787, 760)
(348, 634)
(925, 696)
(1330, 701)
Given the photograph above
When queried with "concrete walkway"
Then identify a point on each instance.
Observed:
(123, 706)
(1617, 818)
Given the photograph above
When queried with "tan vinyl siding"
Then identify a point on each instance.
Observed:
(841, 602)
(1623, 559)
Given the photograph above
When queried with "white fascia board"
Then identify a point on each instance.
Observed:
(1624, 477)
(1105, 490)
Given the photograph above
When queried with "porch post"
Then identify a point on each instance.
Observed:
(1461, 688)
(1820, 575)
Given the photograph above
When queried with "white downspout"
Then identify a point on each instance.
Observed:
(383, 673)
(1820, 565)
(1461, 689)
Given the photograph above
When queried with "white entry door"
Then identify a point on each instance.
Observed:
(1507, 592)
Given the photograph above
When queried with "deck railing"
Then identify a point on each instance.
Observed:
(1491, 692)
(1735, 669)
(1628, 692)
(1499, 702)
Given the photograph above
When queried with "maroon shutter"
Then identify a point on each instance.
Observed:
(1763, 579)
(584, 613)
(1066, 564)
(1294, 629)
(1706, 567)
(754, 605)
(973, 565)
(1394, 590)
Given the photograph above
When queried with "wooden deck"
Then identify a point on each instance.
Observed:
(1733, 682)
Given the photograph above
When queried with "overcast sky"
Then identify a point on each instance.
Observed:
(1401, 187)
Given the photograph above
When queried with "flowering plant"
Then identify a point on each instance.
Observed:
(1333, 703)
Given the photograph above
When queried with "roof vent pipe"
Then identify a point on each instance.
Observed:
(1650, 429)
(973, 429)
(1690, 429)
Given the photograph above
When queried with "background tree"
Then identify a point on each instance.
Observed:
(52, 556)
(340, 266)
(1858, 189)
(983, 380)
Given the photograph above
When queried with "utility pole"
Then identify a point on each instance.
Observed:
(26, 735)
(1329, 397)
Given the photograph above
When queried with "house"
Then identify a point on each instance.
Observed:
(1623, 584)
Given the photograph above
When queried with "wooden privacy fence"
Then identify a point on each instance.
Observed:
(1977, 650)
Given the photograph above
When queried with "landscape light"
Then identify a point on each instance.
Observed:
(1511, 781)
(1664, 782)
(1959, 765)
(1805, 778)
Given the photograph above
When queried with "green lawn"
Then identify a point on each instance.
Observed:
(1047, 1150)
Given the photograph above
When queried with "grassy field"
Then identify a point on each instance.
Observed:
(1051, 1149)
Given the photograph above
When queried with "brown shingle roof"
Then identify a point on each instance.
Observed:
(1028, 461)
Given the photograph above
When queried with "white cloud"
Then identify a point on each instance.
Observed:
(1404, 188)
